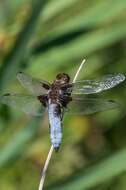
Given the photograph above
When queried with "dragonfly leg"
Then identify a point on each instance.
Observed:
(43, 99)
(65, 100)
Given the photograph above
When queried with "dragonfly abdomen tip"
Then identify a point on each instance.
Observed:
(56, 148)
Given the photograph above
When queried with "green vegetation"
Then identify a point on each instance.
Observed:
(44, 38)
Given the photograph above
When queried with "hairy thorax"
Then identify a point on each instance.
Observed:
(55, 93)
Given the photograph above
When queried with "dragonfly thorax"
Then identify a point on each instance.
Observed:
(56, 92)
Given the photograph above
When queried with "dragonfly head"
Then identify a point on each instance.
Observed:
(62, 78)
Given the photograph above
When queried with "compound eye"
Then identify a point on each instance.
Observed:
(59, 76)
(64, 77)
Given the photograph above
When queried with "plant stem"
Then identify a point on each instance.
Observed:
(41, 184)
(45, 168)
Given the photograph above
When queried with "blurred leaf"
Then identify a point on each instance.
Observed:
(81, 47)
(107, 169)
(18, 143)
(55, 7)
(13, 60)
(99, 13)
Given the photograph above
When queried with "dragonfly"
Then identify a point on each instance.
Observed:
(61, 96)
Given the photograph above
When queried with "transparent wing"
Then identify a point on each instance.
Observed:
(88, 105)
(28, 104)
(35, 86)
(95, 86)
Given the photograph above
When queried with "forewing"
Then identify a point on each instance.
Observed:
(95, 86)
(35, 86)
(28, 104)
(88, 105)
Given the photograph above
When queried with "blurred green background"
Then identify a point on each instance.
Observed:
(44, 38)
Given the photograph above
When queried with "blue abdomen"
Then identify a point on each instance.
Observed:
(55, 125)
